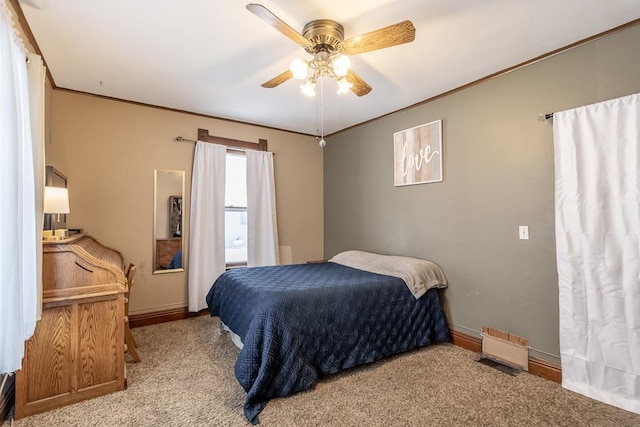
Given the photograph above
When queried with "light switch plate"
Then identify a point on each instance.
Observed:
(523, 232)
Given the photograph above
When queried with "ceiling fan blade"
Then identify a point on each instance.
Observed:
(402, 32)
(280, 78)
(265, 14)
(360, 87)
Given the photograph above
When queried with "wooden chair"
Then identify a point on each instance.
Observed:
(130, 343)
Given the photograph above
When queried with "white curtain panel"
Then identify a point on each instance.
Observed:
(21, 192)
(206, 225)
(262, 228)
(597, 194)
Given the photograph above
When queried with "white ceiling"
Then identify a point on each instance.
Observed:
(211, 56)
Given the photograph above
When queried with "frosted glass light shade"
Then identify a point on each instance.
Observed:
(298, 68)
(308, 88)
(341, 65)
(343, 85)
(56, 200)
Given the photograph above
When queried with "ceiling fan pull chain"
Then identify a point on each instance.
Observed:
(322, 142)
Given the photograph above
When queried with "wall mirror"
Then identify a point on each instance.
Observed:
(168, 221)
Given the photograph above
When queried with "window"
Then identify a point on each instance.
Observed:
(236, 210)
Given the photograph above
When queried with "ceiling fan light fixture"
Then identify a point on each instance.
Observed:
(341, 65)
(324, 39)
(344, 86)
(308, 88)
(299, 68)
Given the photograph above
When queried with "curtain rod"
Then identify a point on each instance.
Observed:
(183, 139)
(546, 116)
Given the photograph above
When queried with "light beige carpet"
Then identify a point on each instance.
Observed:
(186, 379)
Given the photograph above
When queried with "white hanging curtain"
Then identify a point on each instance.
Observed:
(597, 167)
(21, 183)
(262, 228)
(206, 225)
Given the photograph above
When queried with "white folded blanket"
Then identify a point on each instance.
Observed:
(419, 274)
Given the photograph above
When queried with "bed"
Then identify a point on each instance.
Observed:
(301, 322)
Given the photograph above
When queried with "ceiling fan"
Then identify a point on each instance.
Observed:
(324, 39)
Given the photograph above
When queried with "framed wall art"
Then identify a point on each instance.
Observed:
(417, 154)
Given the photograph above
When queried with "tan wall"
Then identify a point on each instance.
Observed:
(109, 149)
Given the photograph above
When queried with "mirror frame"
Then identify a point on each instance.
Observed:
(181, 173)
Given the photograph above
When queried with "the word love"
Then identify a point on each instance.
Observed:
(415, 162)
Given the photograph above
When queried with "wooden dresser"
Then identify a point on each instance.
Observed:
(77, 350)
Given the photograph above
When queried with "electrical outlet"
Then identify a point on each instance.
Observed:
(523, 231)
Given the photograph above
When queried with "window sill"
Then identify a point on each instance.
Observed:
(232, 265)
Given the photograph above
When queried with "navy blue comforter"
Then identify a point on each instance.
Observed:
(300, 322)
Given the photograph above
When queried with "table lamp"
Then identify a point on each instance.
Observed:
(56, 201)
